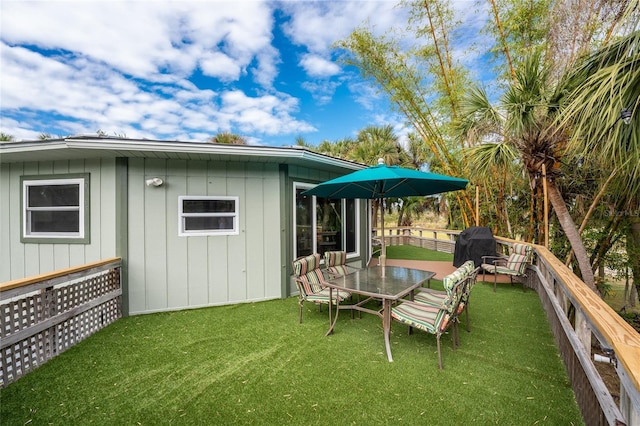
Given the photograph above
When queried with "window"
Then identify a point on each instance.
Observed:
(55, 209)
(322, 224)
(200, 216)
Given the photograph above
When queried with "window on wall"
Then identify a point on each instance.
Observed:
(55, 209)
(201, 216)
(322, 224)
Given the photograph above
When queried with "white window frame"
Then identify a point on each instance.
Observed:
(305, 186)
(28, 234)
(208, 232)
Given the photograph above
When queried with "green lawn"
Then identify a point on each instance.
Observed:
(416, 253)
(254, 364)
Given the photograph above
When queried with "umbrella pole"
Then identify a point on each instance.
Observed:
(383, 248)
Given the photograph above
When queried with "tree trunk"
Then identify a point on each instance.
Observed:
(571, 231)
(633, 251)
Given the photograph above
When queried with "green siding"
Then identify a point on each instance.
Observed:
(167, 271)
(163, 271)
(18, 259)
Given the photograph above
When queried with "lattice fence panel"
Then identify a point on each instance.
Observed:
(40, 325)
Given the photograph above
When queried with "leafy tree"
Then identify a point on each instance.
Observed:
(300, 141)
(228, 138)
(423, 83)
(342, 148)
(605, 84)
(5, 137)
(526, 117)
(374, 142)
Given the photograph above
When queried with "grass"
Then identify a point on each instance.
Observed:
(416, 253)
(254, 364)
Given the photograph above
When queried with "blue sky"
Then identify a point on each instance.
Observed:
(187, 70)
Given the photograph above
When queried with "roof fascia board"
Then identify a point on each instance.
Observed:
(111, 144)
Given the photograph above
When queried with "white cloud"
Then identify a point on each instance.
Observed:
(267, 114)
(321, 91)
(143, 39)
(131, 66)
(317, 25)
(123, 67)
(317, 66)
(217, 64)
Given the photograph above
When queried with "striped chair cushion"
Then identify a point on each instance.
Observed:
(338, 270)
(430, 296)
(423, 317)
(305, 264)
(504, 270)
(489, 267)
(323, 296)
(517, 263)
(450, 280)
(332, 258)
(519, 248)
(436, 297)
(312, 281)
(306, 269)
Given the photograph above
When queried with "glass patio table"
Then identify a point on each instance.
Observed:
(385, 283)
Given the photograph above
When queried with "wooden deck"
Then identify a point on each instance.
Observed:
(440, 268)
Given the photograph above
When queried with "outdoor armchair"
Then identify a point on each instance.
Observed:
(437, 297)
(335, 262)
(430, 318)
(515, 265)
(310, 280)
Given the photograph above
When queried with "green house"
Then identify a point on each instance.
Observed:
(196, 224)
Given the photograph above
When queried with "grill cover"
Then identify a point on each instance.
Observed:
(473, 243)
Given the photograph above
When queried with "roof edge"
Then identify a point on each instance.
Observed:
(144, 145)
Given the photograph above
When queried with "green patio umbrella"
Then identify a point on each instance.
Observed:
(381, 181)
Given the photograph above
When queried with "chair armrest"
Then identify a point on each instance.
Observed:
(494, 259)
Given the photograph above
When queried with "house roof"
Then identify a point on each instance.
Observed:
(80, 147)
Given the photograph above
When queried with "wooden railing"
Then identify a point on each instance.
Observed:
(584, 326)
(443, 240)
(43, 315)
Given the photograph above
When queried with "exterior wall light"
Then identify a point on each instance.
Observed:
(156, 181)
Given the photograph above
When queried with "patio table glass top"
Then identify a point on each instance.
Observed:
(382, 282)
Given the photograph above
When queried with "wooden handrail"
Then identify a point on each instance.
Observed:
(10, 285)
(624, 339)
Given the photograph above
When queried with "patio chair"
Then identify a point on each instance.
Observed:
(309, 279)
(335, 263)
(430, 318)
(437, 297)
(515, 265)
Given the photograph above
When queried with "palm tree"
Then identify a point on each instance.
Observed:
(341, 148)
(604, 111)
(5, 137)
(526, 121)
(374, 142)
(228, 138)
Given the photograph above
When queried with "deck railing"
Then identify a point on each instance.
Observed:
(443, 240)
(44, 315)
(584, 326)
